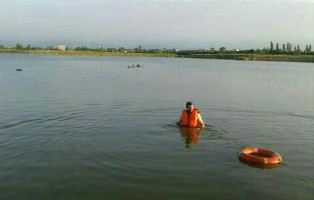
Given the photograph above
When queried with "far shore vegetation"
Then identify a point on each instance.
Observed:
(285, 52)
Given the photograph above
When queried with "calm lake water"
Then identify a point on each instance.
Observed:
(90, 128)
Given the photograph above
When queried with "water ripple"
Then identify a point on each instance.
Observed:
(259, 112)
(18, 123)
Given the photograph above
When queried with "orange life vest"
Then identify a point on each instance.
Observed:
(189, 119)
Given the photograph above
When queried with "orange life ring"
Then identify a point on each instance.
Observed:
(260, 156)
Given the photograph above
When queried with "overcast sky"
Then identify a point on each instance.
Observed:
(185, 24)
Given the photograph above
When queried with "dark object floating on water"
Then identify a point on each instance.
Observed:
(133, 66)
(19, 70)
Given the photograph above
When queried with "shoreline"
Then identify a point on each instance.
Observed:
(241, 57)
(85, 53)
(256, 57)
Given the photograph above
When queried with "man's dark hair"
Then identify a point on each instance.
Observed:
(188, 103)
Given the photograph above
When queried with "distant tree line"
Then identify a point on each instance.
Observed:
(28, 47)
(22, 47)
(287, 48)
(138, 49)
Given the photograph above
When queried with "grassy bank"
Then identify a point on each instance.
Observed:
(86, 53)
(256, 57)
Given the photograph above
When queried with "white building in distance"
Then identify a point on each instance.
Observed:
(61, 47)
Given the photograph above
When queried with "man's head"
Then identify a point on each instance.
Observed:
(189, 106)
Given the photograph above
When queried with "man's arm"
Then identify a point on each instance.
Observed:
(179, 120)
(200, 120)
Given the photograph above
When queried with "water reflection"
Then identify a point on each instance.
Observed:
(190, 135)
(258, 165)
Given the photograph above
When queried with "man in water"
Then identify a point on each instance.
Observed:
(190, 117)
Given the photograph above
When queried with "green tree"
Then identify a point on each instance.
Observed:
(222, 49)
(49, 48)
(271, 47)
(121, 49)
(289, 47)
(82, 48)
(19, 46)
(308, 48)
(277, 48)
